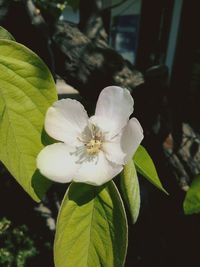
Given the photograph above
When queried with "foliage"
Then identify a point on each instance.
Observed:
(91, 227)
(191, 203)
(98, 220)
(55, 7)
(145, 166)
(27, 89)
(4, 34)
(131, 190)
(51, 8)
(16, 247)
(45, 4)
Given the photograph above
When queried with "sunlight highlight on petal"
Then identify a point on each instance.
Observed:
(66, 120)
(56, 163)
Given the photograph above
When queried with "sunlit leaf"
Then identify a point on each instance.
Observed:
(91, 228)
(4, 34)
(27, 89)
(145, 166)
(130, 189)
(192, 200)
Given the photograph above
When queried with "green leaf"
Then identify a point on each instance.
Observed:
(27, 89)
(91, 228)
(4, 34)
(145, 166)
(191, 203)
(130, 189)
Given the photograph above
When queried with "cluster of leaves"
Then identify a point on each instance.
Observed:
(55, 7)
(92, 226)
(16, 246)
(51, 8)
(55, 3)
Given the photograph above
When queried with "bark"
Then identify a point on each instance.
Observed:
(91, 22)
(84, 58)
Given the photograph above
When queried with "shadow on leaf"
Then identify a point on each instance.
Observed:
(83, 193)
(40, 184)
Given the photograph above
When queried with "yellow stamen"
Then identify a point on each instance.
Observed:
(93, 146)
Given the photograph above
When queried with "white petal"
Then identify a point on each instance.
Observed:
(131, 138)
(97, 171)
(113, 150)
(56, 163)
(65, 120)
(113, 109)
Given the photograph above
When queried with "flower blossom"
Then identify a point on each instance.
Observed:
(91, 150)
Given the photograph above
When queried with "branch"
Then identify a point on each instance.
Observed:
(88, 67)
(91, 23)
(38, 21)
(35, 16)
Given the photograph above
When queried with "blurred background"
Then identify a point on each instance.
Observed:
(153, 49)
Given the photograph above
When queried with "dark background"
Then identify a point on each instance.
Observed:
(169, 97)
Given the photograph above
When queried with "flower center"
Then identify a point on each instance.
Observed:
(92, 138)
(93, 146)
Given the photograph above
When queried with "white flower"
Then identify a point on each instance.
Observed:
(92, 150)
